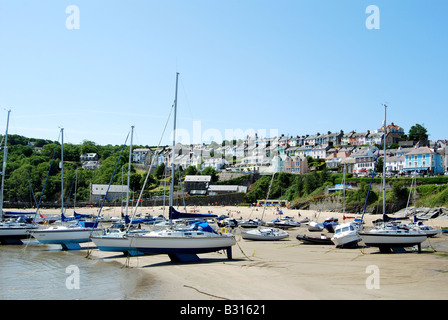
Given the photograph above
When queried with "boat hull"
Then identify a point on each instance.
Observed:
(115, 244)
(14, 234)
(152, 244)
(392, 239)
(149, 244)
(65, 236)
(314, 240)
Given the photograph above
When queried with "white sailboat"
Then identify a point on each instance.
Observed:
(180, 244)
(69, 236)
(265, 234)
(11, 231)
(417, 223)
(388, 236)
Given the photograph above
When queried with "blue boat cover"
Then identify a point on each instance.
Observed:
(204, 226)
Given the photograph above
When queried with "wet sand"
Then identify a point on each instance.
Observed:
(290, 270)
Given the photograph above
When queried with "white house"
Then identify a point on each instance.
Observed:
(364, 159)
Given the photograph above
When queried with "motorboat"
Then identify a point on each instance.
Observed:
(265, 234)
(346, 235)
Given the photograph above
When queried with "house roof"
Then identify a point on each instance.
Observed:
(101, 189)
(198, 178)
(421, 150)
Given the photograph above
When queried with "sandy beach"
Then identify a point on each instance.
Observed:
(290, 270)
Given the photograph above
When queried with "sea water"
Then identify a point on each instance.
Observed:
(45, 272)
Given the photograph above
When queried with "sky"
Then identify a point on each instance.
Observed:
(293, 67)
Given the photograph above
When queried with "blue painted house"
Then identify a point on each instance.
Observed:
(423, 160)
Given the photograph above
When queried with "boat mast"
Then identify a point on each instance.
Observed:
(62, 170)
(5, 154)
(174, 144)
(384, 163)
(129, 170)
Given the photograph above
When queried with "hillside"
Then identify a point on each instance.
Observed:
(33, 174)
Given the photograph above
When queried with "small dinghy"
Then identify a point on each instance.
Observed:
(265, 234)
(323, 239)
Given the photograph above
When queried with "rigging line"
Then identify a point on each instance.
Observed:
(146, 179)
(46, 179)
(89, 251)
(370, 185)
(149, 170)
(111, 179)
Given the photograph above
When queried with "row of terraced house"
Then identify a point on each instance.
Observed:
(355, 151)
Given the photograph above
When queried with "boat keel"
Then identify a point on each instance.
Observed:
(70, 246)
(10, 241)
(229, 253)
(183, 257)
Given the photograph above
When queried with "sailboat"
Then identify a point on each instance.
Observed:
(388, 236)
(11, 231)
(181, 244)
(265, 234)
(418, 221)
(69, 236)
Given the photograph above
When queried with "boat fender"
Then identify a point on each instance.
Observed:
(223, 230)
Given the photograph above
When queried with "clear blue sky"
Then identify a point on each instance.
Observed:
(288, 66)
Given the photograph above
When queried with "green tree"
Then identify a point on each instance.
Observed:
(191, 171)
(418, 133)
(160, 171)
(209, 171)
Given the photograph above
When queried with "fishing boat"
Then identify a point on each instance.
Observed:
(11, 231)
(346, 235)
(323, 239)
(180, 244)
(69, 236)
(389, 236)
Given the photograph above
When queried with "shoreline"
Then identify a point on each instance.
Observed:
(290, 270)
